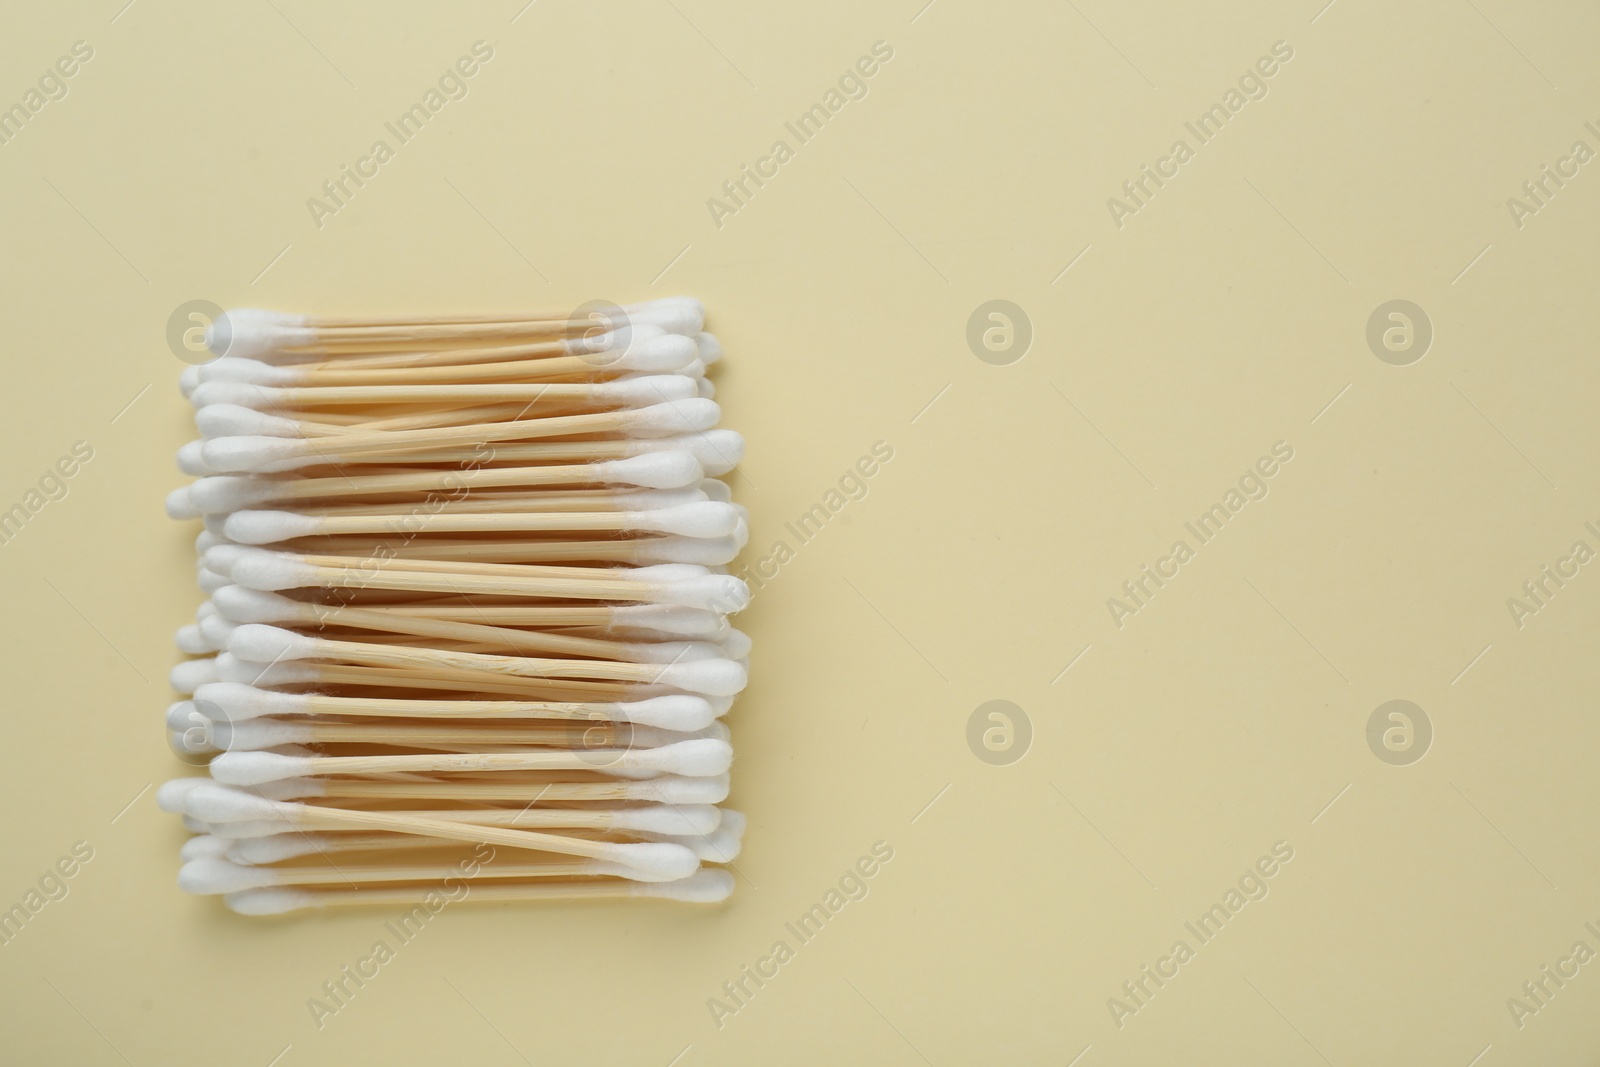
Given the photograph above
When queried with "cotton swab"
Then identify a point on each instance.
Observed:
(707, 886)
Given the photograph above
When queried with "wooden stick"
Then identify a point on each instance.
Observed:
(600, 733)
(320, 818)
(488, 894)
(550, 792)
(424, 625)
(369, 654)
(475, 682)
(531, 394)
(462, 550)
(445, 521)
(319, 704)
(436, 763)
(486, 365)
(473, 584)
(309, 876)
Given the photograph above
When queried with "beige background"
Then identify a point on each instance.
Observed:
(1228, 314)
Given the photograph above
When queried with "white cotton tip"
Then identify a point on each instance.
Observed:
(659, 572)
(240, 605)
(707, 388)
(243, 828)
(705, 519)
(270, 644)
(680, 820)
(209, 877)
(709, 551)
(713, 592)
(673, 712)
(713, 488)
(222, 556)
(229, 492)
(736, 644)
(276, 900)
(181, 715)
(254, 768)
(216, 630)
(694, 759)
(671, 651)
(716, 677)
(251, 332)
(180, 506)
(189, 732)
(710, 885)
(674, 789)
(291, 788)
(205, 539)
(733, 822)
(216, 804)
(665, 420)
(669, 618)
(253, 735)
(187, 744)
(717, 731)
(204, 847)
(210, 581)
(266, 527)
(248, 372)
(172, 796)
(191, 459)
(694, 369)
(719, 846)
(277, 848)
(233, 420)
(719, 451)
(188, 379)
(658, 860)
(655, 353)
(271, 571)
(231, 668)
(674, 314)
(235, 702)
(636, 392)
(236, 394)
(654, 470)
(610, 343)
(245, 454)
(188, 676)
(707, 348)
(192, 642)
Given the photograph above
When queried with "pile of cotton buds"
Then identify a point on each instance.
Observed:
(468, 615)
